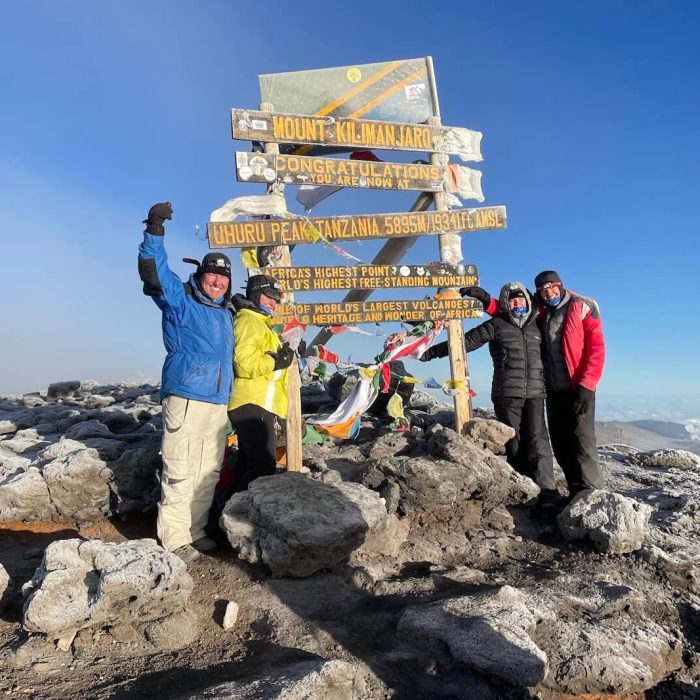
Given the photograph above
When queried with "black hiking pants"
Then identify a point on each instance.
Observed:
(528, 452)
(255, 428)
(573, 441)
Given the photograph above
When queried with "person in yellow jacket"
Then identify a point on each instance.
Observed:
(259, 396)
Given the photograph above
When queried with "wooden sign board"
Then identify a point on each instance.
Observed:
(371, 174)
(307, 170)
(303, 279)
(352, 312)
(401, 91)
(276, 127)
(349, 228)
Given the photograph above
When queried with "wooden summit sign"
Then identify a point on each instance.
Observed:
(274, 127)
(372, 174)
(338, 228)
(352, 312)
(303, 279)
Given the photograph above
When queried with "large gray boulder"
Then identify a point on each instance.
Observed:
(453, 470)
(81, 584)
(489, 632)
(611, 638)
(78, 485)
(63, 390)
(330, 680)
(297, 525)
(134, 485)
(489, 434)
(25, 496)
(614, 523)
(88, 429)
(678, 459)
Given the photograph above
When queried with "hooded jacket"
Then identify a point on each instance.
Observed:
(257, 382)
(197, 332)
(515, 347)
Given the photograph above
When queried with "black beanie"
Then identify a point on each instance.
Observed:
(548, 276)
(516, 293)
(217, 263)
(262, 284)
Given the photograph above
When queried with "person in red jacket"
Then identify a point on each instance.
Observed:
(573, 350)
(573, 353)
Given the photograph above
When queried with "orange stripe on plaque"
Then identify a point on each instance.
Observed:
(358, 88)
(349, 95)
(394, 88)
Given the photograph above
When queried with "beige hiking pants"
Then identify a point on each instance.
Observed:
(194, 438)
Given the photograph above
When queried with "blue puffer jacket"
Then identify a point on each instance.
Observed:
(197, 332)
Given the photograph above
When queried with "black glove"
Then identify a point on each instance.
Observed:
(435, 351)
(301, 349)
(583, 401)
(478, 293)
(283, 357)
(157, 214)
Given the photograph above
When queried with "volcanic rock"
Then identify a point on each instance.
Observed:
(82, 584)
(614, 523)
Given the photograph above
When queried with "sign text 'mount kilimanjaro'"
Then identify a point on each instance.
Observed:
(351, 312)
(274, 127)
(434, 275)
(338, 228)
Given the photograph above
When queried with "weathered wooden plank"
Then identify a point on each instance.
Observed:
(309, 170)
(277, 127)
(353, 312)
(435, 275)
(348, 228)
(370, 174)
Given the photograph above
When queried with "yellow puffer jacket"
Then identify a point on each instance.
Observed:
(256, 381)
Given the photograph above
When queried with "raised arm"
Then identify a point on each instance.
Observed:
(159, 281)
(480, 294)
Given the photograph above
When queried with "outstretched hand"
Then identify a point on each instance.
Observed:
(478, 293)
(433, 352)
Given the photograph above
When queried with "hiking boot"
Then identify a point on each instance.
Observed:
(549, 504)
(186, 552)
(205, 544)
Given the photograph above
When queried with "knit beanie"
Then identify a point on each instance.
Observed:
(547, 277)
(216, 263)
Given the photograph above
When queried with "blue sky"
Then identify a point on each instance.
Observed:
(590, 115)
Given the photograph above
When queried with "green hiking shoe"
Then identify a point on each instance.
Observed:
(186, 552)
(205, 544)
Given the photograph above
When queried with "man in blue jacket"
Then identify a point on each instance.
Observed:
(195, 386)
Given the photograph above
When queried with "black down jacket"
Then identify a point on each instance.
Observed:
(515, 346)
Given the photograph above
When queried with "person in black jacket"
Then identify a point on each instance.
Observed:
(518, 388)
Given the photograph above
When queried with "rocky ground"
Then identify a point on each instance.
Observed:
(403, 565)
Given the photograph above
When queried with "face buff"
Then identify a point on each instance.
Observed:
(519, 311)
(265, 309)
(553, 301)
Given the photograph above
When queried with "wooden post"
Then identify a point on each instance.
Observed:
(294, 457)
(455, 331)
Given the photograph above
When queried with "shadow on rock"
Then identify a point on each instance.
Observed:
(260, 656)
(21, 552)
